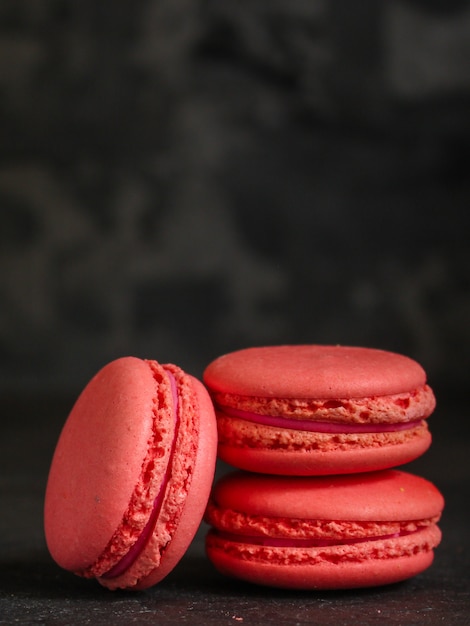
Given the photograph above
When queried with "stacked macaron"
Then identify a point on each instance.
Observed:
(316, 432)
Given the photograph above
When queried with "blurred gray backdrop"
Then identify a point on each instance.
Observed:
(181, 178)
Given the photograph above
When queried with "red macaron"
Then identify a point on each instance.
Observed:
(131, 474)
(316, 410)
(323, 532)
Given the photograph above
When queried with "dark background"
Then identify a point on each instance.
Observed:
(182, 178)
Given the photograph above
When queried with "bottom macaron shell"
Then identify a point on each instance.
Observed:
(196, 499)
(326, 575)
(307, 463)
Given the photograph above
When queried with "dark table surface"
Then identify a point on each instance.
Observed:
(33, 590)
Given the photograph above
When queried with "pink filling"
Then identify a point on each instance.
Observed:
(316, 426)
(298, 543)
(128, 559)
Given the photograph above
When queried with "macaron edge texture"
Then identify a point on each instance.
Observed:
(186, 493)
(326, 575)
(335, 460)
(198, 493)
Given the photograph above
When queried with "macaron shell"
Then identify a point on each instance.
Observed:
(389, 495)
(322, 575)
(297, 413)
(313, 371)
(198, 495)
(320, 462)
(98, 462)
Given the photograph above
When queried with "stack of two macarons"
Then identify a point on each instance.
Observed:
(316, 434)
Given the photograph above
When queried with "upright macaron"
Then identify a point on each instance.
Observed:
(324, 532)
(316, 409)
(131, 474)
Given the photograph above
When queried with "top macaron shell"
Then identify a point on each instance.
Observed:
(313, 371)
(139, 433)
(386, 496)
(316, 409)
